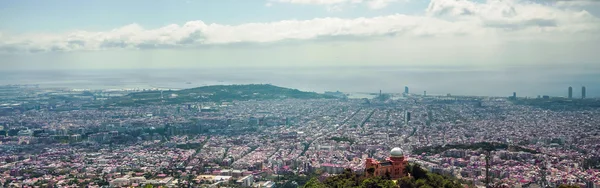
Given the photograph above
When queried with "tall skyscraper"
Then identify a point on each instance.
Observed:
(570, 92)
(514, 95)
(406, 89)
(406, 117)
(425, 93)
(583, 92)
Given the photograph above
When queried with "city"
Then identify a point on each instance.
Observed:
(62, 138)
(299, 93)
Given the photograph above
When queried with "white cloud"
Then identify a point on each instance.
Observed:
(268, 4)
(515, 15)
(334, 8)
(379, 4)
(337, 4)
(577, 3)
(316, 2)
(494, 20)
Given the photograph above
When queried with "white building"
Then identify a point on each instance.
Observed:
(119, 182)
(246, 181)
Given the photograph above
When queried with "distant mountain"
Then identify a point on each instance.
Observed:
(216, 93)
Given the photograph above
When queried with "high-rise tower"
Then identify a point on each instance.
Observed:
(583, 92)
(406, 89)
(570, 92)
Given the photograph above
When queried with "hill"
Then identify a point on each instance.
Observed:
(418, 178)
(216, 93)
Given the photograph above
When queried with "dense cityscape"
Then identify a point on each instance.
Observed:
(299, 94)
(91, 138)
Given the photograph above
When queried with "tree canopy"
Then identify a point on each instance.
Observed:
(567, 186)
(416, 177)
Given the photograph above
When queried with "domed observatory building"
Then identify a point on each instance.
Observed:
(394, 165)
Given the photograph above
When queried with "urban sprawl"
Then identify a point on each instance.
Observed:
(62, 137)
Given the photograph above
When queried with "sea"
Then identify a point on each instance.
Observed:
(525, 81)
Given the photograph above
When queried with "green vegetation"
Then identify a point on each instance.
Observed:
(420, 178)
(292, 180)
(217, 93)
(350, 179)
(190, 146)
(417, 178)
(306, 146)
(568, 186)
(487, 146)
(314, 183)
(592, 162)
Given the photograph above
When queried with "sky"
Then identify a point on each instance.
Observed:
(133, 34)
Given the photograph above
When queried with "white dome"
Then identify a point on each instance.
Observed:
(397, 152)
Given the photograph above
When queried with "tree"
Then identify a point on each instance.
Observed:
(74, 181)
(408, 169)
(420, 183)
(7, 182)
(418, 172)
(147, 175)
(314, 183)
(189, 180)
(346, 179)
(371, 171)
(499, 186)
(407, 182)
(378, 182)
(102, 182)
(287, 184)
(568, 186)
(421, 178)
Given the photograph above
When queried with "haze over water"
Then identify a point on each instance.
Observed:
(457, 81)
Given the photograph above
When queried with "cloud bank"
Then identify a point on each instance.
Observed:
(577, 3)
(495, 20)
(335, 4)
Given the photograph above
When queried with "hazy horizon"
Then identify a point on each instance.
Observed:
(459, 81)
(482, 47)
